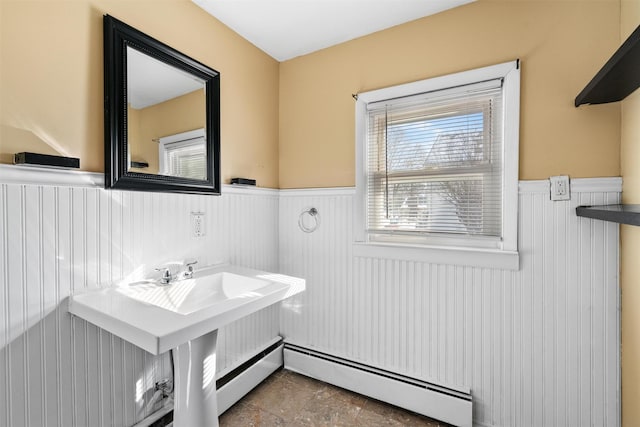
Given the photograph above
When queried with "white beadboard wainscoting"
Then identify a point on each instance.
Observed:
(539, 346)
(61, 232)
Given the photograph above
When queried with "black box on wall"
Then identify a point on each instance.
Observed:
(35, 159)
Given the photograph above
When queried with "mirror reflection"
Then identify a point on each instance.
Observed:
(166, 119)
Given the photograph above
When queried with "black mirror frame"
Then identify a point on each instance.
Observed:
(117, 36)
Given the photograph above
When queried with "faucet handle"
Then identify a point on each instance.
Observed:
(189, 267)
(166, 276)
(190, 263)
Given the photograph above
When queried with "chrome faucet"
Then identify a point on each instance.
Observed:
(166, 276)
(188, 273)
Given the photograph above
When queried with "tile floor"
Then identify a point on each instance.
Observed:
(290, 399)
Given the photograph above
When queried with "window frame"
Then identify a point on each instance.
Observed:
(446, 249)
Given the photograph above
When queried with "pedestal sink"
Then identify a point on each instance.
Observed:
(185, 316)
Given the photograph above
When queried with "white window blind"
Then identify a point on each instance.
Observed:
(187, 160)
(184, 155)
(434, 164)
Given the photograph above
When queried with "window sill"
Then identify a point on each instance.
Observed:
(468, 257)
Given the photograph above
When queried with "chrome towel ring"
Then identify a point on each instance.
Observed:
(309, 220)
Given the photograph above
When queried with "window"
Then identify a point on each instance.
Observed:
(184, 155)
(437, 161)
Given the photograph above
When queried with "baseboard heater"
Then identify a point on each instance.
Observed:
(451, 405)
(232, 386)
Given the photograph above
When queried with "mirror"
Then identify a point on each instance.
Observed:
(162, 116)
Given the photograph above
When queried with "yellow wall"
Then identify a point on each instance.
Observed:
(630, 237)
(137, 149)
(51, 86)
(561, 44)
(51, 92)
(180, 114)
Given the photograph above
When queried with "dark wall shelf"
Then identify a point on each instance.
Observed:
(619, 77)
(622, 214)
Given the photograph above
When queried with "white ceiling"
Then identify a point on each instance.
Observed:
(150, 81)
(285, 29)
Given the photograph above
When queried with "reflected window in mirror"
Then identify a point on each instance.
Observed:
(162, 110)
(183, 155)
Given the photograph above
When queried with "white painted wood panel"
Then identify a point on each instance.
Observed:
(56, 370)
(537, 347)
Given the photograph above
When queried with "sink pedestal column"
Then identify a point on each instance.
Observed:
(195, 399)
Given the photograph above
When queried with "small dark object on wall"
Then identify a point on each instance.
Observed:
(243, 181)
(139, 165)
(35, 159)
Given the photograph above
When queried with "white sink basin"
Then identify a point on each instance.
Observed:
(159, 317)
(191, 295)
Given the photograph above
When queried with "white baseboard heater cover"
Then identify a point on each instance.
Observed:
(450, 405)
(234, 390)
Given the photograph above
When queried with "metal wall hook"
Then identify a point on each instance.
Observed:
(312, 213)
